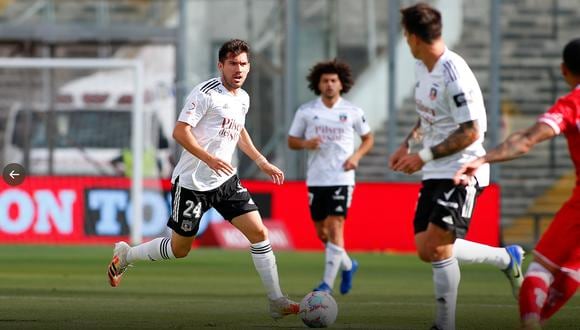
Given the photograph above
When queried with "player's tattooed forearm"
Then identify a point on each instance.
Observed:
(465, 135)
(515, 145)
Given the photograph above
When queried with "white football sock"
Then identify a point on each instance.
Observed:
(346, 262)
(470, 252)
(156, 249)
(446, 278)
(265, 263)
(333, 260)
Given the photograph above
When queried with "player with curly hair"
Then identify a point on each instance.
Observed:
(326, 127)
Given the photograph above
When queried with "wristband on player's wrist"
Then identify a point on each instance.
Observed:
(426, 154)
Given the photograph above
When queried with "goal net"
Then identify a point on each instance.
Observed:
(92, 137)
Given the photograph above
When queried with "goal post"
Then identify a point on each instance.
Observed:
(137, 121)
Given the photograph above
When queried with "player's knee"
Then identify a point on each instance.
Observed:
(431, 252)
(437, 253)
(323, 236)
(423, 255)
(259, 235)
(180, 251)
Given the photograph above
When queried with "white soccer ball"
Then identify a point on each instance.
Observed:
(318, 309)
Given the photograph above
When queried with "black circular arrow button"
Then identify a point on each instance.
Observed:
(14, 174)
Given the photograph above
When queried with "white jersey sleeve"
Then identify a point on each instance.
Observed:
(195, 107)
(361, 126)
(463, 94)
(298, 127)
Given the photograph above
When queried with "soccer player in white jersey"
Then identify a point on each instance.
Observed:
(452, 121)
(326, 127)
(209, 127)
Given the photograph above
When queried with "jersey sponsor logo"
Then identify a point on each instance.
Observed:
(339, 209)
(329, 133)
(462, 99)
(459, 100)
(230, 129)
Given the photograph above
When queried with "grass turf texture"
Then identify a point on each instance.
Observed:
(50, 287)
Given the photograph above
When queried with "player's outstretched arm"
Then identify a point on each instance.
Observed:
(247, 146)
(516, 145)
(520, 143)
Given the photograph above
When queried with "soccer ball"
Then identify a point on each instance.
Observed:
(318, 309)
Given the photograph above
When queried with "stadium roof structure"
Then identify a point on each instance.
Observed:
(89, 21)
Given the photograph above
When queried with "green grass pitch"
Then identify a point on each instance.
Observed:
(53, 287)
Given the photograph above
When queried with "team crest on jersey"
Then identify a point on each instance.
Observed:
(315, 118)
(342, 117)
(187, 225)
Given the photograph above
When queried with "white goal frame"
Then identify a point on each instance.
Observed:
(136, 119)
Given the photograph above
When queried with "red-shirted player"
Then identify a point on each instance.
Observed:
(553, 276)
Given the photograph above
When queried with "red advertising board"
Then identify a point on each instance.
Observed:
(380, 218)
(79, 210)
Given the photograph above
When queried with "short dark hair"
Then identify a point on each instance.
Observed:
(234, 46)
(335, 66)
(571, 56)
(423, 21)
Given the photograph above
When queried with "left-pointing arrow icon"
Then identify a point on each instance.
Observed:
(13, 174)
